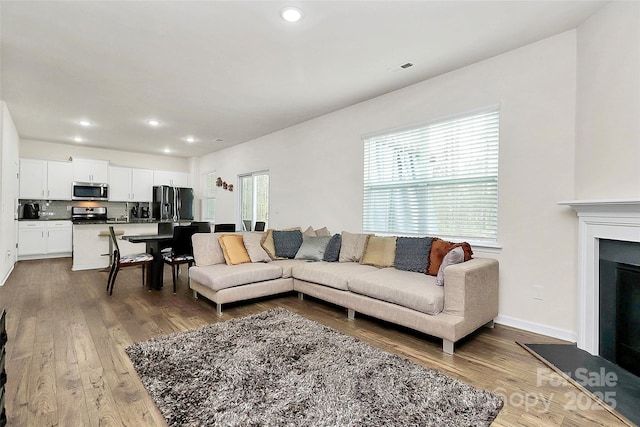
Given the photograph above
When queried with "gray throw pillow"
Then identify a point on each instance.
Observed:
(332, 251)
(412, 253)
(312, 248)
(455, 256)
(287, 243)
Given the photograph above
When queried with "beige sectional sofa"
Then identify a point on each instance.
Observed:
(467, 301)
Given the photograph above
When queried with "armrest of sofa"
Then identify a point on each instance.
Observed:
(471, 289)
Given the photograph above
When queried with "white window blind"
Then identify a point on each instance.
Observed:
(209, 197)
(439, 179)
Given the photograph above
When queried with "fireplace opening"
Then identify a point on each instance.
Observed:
(619, 303)
(628, 317)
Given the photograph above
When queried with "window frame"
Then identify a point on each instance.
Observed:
(208, 196)
(254, 190)
(398, 136)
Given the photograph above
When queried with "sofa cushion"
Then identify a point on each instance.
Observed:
(332, 251)
(412, 254)
(310, 232)
(380, 251)
(207, 249)
(352, 247)
(287, 265)
(323, 232)
(408, 289)
(455, 256)
(222, 276)
(287, 242)
(332, 274)
(252, 242)
(233, 249)
(312, 248)
(439, 248)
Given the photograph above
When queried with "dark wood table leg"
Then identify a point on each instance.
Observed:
(157, 266)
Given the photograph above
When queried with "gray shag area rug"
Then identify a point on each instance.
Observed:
(278, 368)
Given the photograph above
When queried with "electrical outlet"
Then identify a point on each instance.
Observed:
(537, 292)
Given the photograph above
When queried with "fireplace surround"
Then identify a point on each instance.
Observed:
(617, 220)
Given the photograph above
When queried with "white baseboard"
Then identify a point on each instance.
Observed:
(538, 328)
(4, 279)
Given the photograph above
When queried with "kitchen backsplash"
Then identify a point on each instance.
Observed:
(60, 209)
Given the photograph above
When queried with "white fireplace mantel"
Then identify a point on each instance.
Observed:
(598, 219)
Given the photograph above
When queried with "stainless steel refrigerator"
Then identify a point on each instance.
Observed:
(172, 203)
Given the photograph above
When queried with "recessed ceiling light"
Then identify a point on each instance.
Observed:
(84, 123)
(190, 139)
(291, 14)
(77, 139)
(153, 123)
(166, 150)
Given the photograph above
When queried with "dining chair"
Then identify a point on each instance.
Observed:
(203, 226)
(224, 228)
(181, 250)
(260, 225)
(119, 261)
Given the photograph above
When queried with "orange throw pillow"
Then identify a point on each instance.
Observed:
(439, 248)
(233, 249)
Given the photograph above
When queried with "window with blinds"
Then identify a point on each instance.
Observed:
(438, 179)
(209, 197)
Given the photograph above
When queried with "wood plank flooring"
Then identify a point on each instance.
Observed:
(66, 363)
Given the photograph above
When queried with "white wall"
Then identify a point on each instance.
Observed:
(8, 192)
(608, 114)
(317, 168)
(54, 151)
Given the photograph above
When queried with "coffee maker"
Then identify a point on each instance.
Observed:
(31, 211)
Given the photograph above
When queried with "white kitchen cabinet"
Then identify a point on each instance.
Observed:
(42, 179)
(31, 238)
(33, 179)
(119, 184)
(142, 185)
(174, 179)
(59, 180)
(43, 239)
(59, 237)
(90, 170)
(130, 185)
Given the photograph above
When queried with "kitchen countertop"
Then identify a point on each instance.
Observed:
(99, 221)
(45, 219)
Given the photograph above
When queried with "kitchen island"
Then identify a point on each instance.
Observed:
(91, 242)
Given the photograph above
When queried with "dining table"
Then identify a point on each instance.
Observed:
(154, 243)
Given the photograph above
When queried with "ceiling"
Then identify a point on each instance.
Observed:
(226, 72)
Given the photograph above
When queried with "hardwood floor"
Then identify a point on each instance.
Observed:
(67, 367)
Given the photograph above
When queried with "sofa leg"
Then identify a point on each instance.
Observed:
(351, 313)
(195, 294)
(490, 324)
(447, 346)
(300, 296)
(219, 309)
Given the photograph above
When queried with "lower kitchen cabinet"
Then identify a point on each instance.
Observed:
(44, 239)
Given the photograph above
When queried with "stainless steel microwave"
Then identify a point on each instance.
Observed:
(90, 191)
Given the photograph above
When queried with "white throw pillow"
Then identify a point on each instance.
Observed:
(455, 256)
(352, 247)
(254, 248)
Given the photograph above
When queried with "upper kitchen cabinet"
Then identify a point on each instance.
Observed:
(142, 185)
(130, 185)
(89, 170)
(174, 179)
(41, 179)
